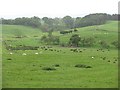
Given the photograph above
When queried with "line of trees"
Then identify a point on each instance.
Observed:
(67, 22)
(77, 41)
(33, 21)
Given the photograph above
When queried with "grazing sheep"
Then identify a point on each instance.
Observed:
(36, 53)
(24, 54)
(92, 57)
(11, 53)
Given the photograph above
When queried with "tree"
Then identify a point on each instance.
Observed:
(94, 19)
(50, 40)
(104, 44)
(87, 41)
(47, 28)
(33, 21)
(116, 44)
(49, 25)
(77, 22)
(69, 21)
(74, 40)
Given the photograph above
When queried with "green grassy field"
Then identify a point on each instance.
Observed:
(0, 56)
(27, 71)
(107, 32)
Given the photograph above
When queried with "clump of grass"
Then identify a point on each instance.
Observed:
(9, 59)
(88, 67)
(48, 68)
(57, 65)
(82, 66)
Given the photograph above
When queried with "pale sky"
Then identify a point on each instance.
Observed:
(55, 8)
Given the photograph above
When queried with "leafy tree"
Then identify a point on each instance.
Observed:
(8, 21)
(49, 25)
(116, 44)
(104, 44)
(74, 40)
(69, 21)
(33, 21)
(87, 42)
(77, 22)
(47, 28)
(50, 40)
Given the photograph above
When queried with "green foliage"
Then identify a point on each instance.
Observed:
(48, 68)
(33, 21)
(116, 44)
(87, 42)
(54, 40)
(66, 32)
(49, 25)
(94, 19)
(63, 23)
(77, 22)
(82, 66)
(74, 40)
(69, 21)
(104, 44)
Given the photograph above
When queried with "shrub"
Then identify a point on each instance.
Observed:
(64, 44)
(104, 44)
(57, 65)
(82, 66)
(54, 40)
(75, 30)
(74, 40)
(9, 59)
(87, 42)
(48, 68)
(116, 44)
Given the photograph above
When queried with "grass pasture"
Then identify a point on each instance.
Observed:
(55, 66)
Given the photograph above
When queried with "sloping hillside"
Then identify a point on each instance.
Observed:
(107, 32)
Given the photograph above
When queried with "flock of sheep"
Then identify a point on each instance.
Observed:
(75, 50)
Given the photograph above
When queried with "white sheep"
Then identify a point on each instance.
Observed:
(36, 53)
(92, 57)
(11, 53)
(24, 54)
